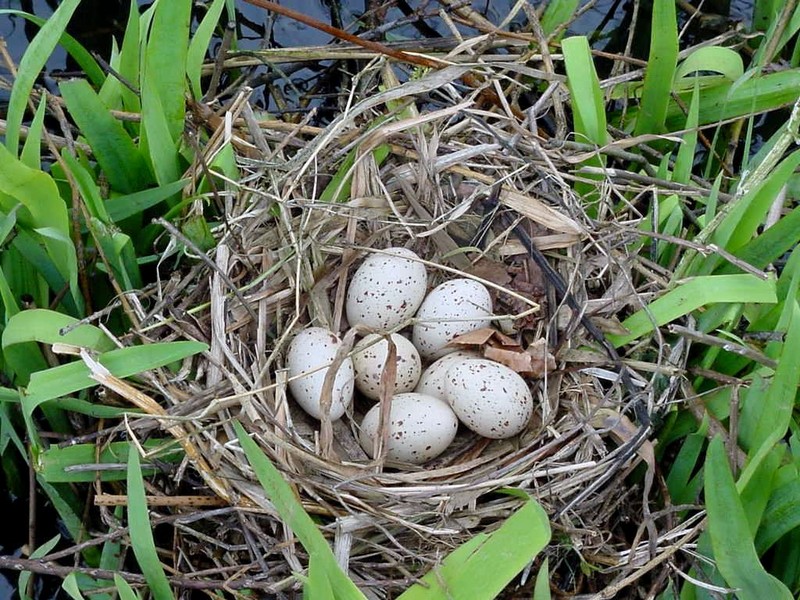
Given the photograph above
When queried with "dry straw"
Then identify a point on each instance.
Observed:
(282, 260)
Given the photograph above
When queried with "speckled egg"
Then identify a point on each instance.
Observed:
(386, 290)
(452, 308)
(310, 349)
(369, 360)
(432, 380)
(421, 427)
(489, 398)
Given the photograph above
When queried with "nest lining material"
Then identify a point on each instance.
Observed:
(288, 255)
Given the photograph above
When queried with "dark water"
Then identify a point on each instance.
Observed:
(97, 20)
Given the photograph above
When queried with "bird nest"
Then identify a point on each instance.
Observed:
(434, 166)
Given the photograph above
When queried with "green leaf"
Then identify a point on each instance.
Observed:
(684, 161)
(292, 513)
(718, 59)
(165, 65)
(32, 150)
(25, 576)
(588, 104)
(87, 462)
(660, 69)
(557, 13)
(199, 46)
(87, 186)
(141, 532)
(780, 516)
(71, 587)
(161, 145)
(129, 57)
(541, 590)
(124, 362)
(731, 539)
(482, 567)
(39, 50)
(124, 589)
(767, 416)
(694, 294)
(121, 207)
(117, 155)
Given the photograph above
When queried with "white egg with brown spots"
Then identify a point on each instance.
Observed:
(453, 308)
(386, 290)
(489, 398)
(420, 428)
(433, 378)
(369, 360)
(311, 353)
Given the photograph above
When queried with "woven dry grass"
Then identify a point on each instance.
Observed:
(281, 262)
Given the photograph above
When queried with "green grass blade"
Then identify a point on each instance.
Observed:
(660, 69)
(541, 590)
(684, 161)
(767, 415)
(39, 50)
(159, 141)
(88, 188)
(292, 513)
(88, 65)
(25, 576)
(199, 46)
(693, 294)
(772, 243)
(731, 539)
(117, 155)
(485, 565)
(141, 532)
(71, 586)
(124, 589)
(780, 516)
(557, 13)
(121, 207)
(32, 150)
(67, 379)
(165, 63)
(129, 61)
(588, 104)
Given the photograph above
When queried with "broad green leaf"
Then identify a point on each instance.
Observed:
(725, 61)
(141, 532)
(722, 101)
(588, 104)
(660, 69)
(165, 66)
(199, 46)
(730, 535)
(39, 50)
(87, 462)
(694, 294)
(124, 362)
(44, 326)
(160, 143)
(292, 513)
(485, 565)
(129, 56)
(117, 155)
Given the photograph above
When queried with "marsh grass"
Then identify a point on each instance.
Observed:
(172, 248)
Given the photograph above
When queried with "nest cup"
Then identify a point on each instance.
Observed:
(309, 205)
